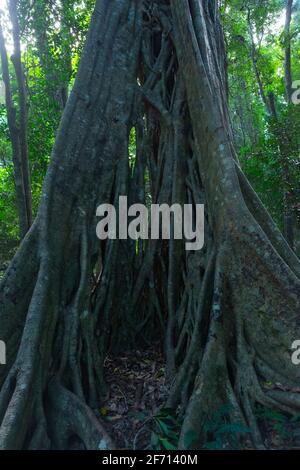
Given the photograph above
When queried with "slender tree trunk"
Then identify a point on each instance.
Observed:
(22, 96)
(287, 52)
(279, 132)
(67, 10)
(254, 58)
(21, 199)
(57, 72)
(289, 221)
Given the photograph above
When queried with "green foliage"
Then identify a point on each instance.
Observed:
(222, 432)
(132, 148)
(278, 424)
(165, 430)
(52, 36)
(264, 148)
(190, 439)
(8, 217)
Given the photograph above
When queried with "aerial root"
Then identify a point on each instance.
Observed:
(72, 422)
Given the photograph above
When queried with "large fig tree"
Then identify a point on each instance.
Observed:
(153, 71)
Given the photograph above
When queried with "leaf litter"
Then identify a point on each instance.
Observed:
(137, 389)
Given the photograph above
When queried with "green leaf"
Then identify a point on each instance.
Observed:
(167, 444)
(214, 445)
(232, 428)
(154, 440)
(190, 438)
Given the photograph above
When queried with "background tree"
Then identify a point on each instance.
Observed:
(52, 35)
(263, 57)
(18, 126)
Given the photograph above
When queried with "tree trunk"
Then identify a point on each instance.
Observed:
(227, 314)
(22, 95)
(289, 216)
(57, 72)
(24, 211)
(253, 54)
(287, 51)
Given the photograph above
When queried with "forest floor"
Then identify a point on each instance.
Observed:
(134, 407)
(137, 391)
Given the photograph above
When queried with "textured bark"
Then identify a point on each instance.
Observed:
(227, 314)
(250, 251)
(288, 217)
(22, 97)
(20, 160)
(55, 324)
(287, 51)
